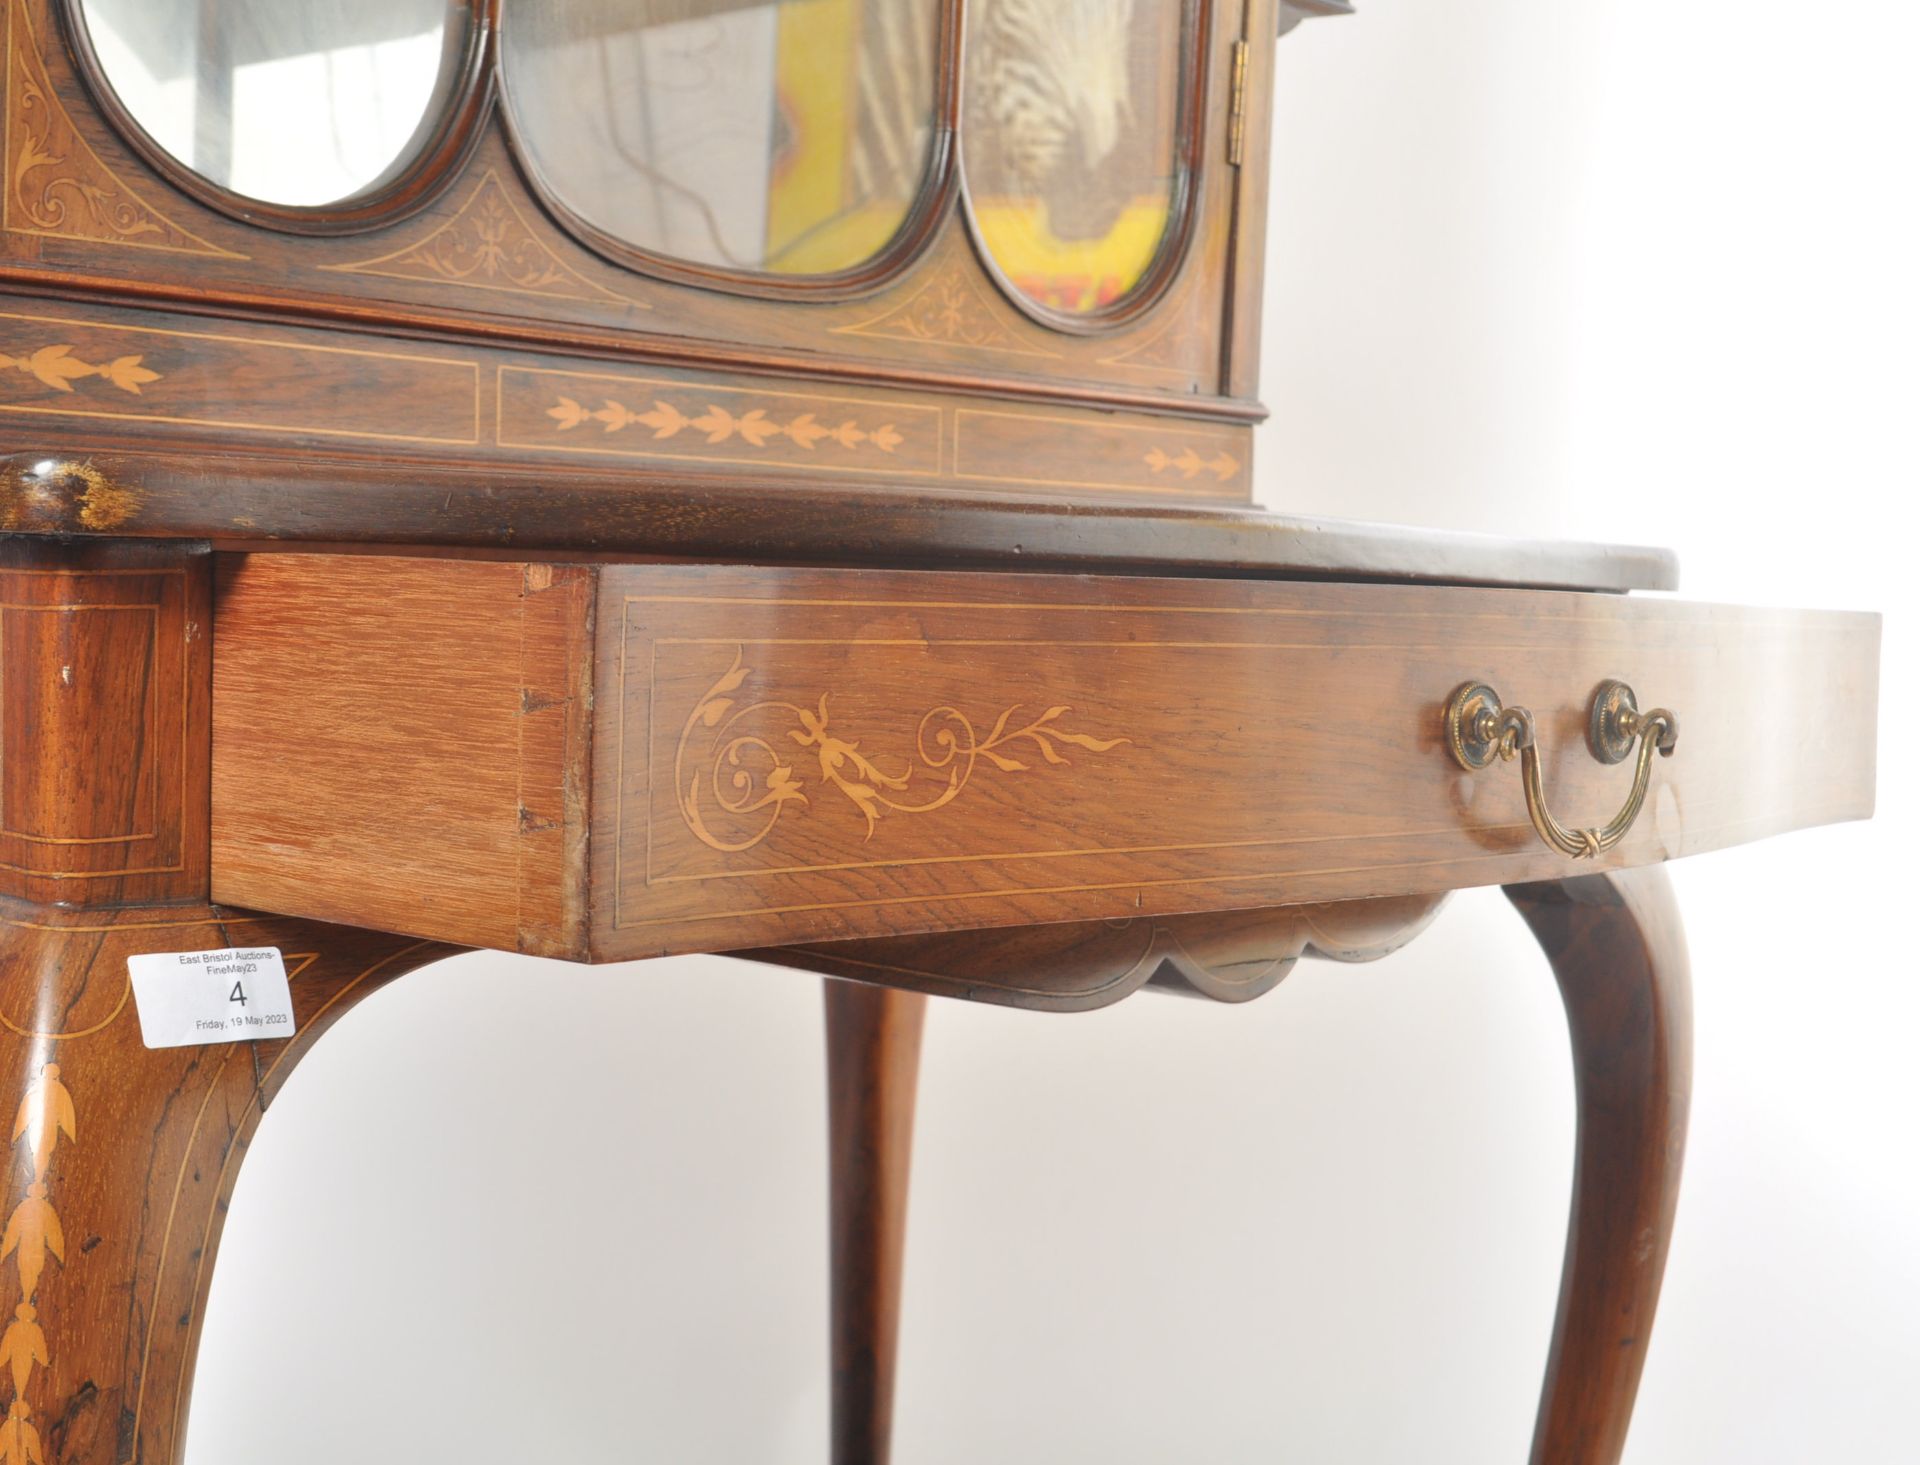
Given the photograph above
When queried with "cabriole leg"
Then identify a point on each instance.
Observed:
(123, 1159)
(1618, 953)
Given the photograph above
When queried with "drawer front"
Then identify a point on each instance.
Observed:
(787, 755)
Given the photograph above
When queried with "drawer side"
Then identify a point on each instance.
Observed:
(402, 743)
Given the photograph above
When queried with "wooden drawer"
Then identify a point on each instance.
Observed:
(612, 761)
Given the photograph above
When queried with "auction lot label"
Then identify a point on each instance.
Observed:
(230, 996)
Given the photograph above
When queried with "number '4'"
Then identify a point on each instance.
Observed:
(238, 994)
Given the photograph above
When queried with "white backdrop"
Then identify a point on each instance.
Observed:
(1582, 268)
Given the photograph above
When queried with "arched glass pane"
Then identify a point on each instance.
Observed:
(1070, 135)
(293, 102)
(788, 136)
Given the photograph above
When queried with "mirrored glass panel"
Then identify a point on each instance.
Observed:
(293, 102)
(1070, 135)
(789, 137)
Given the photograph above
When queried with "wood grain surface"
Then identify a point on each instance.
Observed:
(370, 722)
(688, 645)
(123, 1157)
(104, 656)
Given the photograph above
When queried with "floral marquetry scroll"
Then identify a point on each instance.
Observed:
(489, 244)
(950, 310)
(733, 763)
(56, 184)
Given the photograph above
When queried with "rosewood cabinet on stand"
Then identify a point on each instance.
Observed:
(782, 473)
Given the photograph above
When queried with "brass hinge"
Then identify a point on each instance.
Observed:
(1237, 106)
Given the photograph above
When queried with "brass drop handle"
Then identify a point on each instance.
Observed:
(1480, 728)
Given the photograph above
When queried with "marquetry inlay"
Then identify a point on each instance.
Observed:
(744, 777)
(488, 244)
(753, 427)
(1178, 345)
(1002, 447)
(57, 367)
(950, 310)
(56, 184)
(1189, 464)
(247, 380)
(665, 418)
(33, 1234)
(57, 630)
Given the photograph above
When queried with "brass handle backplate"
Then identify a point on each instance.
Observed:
(1479, 729)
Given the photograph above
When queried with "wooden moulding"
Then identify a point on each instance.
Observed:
(243, 501)
(1076, 966)
(625, 760)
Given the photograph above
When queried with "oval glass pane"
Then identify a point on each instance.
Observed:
(1070, 134)
(786, 136)
(291, 102)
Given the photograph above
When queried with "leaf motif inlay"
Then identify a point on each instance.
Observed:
(56, 366)
(33, 1234)
(1189, 464)
(717, 425)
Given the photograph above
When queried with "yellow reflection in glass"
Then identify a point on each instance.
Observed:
(1070, 132)
(848, 164)
(1072, 275)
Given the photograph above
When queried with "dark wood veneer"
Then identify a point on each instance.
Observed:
(124, 1160)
